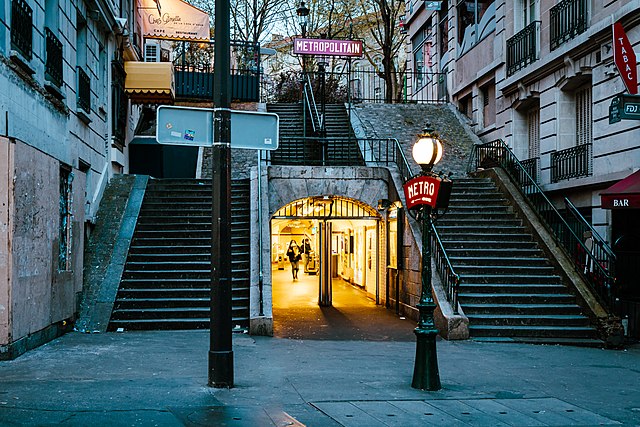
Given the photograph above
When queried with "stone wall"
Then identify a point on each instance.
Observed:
(406, 122)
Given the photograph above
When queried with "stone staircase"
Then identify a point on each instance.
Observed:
(167, 276)
(509, 288)
(290, 118)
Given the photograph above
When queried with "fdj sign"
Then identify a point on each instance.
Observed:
(427, 190)
(624, 107)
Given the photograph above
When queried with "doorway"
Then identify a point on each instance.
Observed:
(337, 292)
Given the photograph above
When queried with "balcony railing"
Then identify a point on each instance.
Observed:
(84, 91)
(598, 275)
(21, 27)
(196, 82)
(574, 162)
(522, 48)
(568, 19)
(53, 66)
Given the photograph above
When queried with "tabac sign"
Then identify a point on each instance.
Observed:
(427, 190)
(625, 58)
(351, 48)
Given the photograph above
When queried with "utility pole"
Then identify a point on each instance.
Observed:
(221, 347)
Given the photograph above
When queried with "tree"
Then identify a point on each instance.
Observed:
(381, 19)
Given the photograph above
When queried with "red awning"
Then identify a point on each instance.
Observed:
(625, 194)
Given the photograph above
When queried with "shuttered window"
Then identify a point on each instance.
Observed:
(583, 116)
(533, 125)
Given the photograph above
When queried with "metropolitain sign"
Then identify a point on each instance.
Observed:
(352, 48)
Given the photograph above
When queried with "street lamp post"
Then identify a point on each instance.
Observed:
(426, 152)
(303, 13)
(303, 18)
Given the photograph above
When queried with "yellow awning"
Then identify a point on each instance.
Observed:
(149, 82)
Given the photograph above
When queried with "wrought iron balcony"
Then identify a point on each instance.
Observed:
(574, 162)
(21, 27)
(196, 82)
(532, 167)
(84, 91)
(523, 47)
(568, 19)
(53, 66)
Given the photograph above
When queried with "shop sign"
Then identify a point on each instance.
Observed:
(625, 58)
(432, 5)
(624, 107)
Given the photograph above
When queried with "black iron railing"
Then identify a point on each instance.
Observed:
(411, 87)
(450, 279)
(568, 19)
(119, 103)
(21, 27)
(532, 166)
(598, 277)
(196, 82)
(574, 162)
(522, 48)
(53, 65)
(84, 90)
(317, 151)
(600, 249)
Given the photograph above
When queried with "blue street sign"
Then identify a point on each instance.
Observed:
(194, 127)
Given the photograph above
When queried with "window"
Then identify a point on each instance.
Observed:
(470, 14)
(583, 116)
(64, 254)
(533, 128)
(528, 13)
(102, 63)
(488, 95)
(21, 27)
(443, 28)
(83, 92)
(466, 107)
(421, 46)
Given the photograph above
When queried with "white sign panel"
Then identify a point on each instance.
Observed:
(194, 127)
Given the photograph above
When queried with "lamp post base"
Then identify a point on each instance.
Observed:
(425, 370)
(221, 369)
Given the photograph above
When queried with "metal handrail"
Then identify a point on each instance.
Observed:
(497, 153)
(596, 236)
(450, 279)
(311, 103)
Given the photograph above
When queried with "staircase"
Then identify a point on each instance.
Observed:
(290, 118)
(509, 288)
(167, 276)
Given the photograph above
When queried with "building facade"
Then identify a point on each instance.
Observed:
(65, 126)
(540, 75)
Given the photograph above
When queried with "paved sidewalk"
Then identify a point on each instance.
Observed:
(159, 378)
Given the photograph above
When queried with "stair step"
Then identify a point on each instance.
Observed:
(532, 331)
(524, 308)
(528, 320)
(170, 324)
(504, 288)
(514, 298)
(537, 273)
(488, 244)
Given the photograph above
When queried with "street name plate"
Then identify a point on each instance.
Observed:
(184, 126)
(254, 131)
(194, 127)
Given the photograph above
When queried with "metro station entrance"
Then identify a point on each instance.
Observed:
(338, 238)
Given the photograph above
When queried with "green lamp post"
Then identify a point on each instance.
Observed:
(427, 151)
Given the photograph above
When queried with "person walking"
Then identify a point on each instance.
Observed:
(295, 254)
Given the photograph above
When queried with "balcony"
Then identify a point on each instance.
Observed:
(574, 162)
(523, 47)
(568, 19)
(149, 82)
(195, 82)
(53, 65)
(22, 28)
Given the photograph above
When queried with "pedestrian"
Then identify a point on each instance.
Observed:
(306, 250)
(295, 254)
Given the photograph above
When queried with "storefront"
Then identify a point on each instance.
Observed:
(623, 198)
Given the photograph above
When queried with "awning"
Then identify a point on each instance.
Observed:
(149, 82)
(625, 194)
(173, 20)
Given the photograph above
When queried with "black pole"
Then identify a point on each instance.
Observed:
(425, 371)
(220, 349)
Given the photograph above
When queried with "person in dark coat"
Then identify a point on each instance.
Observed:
(295, 255)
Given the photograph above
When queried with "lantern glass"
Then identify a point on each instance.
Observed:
(427, 151)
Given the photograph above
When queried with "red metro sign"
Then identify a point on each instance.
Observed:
(625, 58)
(428, 190)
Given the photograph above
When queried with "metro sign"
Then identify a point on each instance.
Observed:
(427, 190)
(350, 48)
(625, 58)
